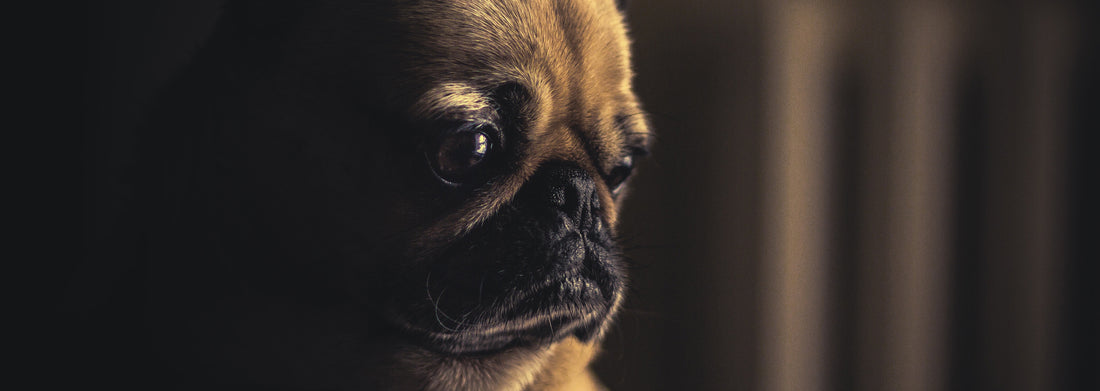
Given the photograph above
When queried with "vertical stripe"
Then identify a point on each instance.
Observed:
(798, 62)
(919, 183)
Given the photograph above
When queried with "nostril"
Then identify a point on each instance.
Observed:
(557, 196)
(572, 200)
(567, 198)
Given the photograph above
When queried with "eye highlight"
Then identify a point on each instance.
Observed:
(459, 155)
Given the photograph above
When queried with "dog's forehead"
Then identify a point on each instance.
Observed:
(571, 56)
(487, 39)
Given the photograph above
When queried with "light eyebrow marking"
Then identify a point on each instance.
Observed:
(452, 101)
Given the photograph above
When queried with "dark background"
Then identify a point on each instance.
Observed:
(977, 274)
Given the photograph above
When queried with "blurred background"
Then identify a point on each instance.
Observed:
(845, 194)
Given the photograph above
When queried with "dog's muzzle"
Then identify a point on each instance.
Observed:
(544, 268)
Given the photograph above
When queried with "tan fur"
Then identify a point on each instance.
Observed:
(567, 368)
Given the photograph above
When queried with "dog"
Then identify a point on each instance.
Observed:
(389, 195)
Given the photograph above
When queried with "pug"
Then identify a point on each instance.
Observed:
(389, 195)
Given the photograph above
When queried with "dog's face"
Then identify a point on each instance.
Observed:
(527, 129)
(455, 166)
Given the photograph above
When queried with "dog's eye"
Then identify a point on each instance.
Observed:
(618, 175)
(460, 152)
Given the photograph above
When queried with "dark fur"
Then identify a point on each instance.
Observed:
(298, 238)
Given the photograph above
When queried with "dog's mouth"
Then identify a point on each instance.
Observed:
(540, 314)
(471, 304)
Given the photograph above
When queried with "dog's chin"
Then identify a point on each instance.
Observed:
(535, 317)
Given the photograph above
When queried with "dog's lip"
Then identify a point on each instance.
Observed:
(552, 287)
(521, 327)
(500, 337)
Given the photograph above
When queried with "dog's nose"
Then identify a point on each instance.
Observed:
(568, 189)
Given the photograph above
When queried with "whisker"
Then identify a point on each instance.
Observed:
(435, 302)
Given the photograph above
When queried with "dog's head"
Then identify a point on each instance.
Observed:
(455, 166)
(527, 129)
